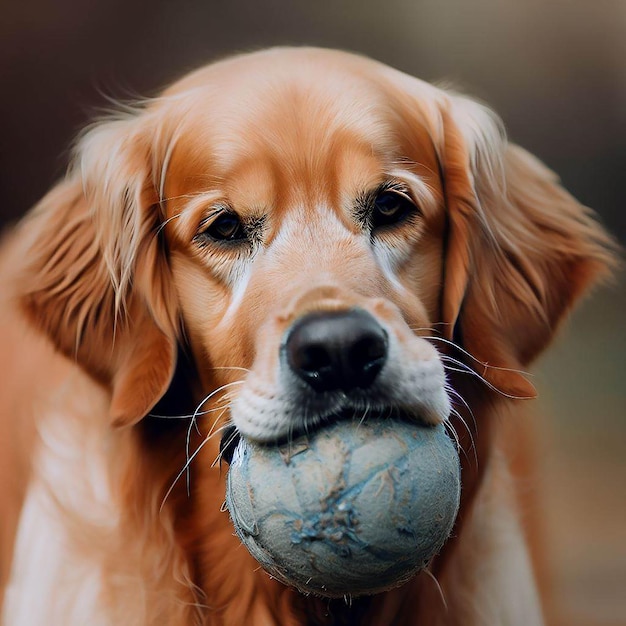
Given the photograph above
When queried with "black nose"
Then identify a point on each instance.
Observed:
(337, 349)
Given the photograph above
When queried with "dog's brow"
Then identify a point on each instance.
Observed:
(193, 210)
(425, 194)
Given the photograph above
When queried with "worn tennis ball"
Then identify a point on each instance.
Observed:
(355, 509)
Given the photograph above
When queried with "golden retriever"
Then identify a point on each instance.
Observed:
(146, 300)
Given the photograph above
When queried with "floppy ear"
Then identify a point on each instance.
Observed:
(520, 250)
(98, 281)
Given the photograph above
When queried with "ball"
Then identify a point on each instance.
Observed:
(355, 509)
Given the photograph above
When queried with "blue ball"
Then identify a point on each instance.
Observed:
(355, 509)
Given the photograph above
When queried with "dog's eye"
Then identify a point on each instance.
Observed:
(391, 207)
(225, 227)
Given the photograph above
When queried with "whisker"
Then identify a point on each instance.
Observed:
(215, 391)
(226, 445)
(187, 463)
(362, 420)
(427, 329)
(469, 432)
(457, 395)
(231, 367)
(169, 417)
(190, 415)
(450, 428)
(217, 420)
(466, 369)
(164, 223)
(462, 370)
(441, 594)
(476, 360)
(183, 195)
(194, 423)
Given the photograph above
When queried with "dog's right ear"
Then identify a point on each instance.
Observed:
(97, 279)
(520, 250)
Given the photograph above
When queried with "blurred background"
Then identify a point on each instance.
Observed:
(555, 72)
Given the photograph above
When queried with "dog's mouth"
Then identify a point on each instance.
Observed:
(231, 435)
(228, 443)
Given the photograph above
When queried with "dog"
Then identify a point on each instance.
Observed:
(277, 239)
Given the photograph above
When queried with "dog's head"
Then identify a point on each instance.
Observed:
(316, 227)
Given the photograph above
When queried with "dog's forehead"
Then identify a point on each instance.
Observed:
(281, 118)
(278, 122)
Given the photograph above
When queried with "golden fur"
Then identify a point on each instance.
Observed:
(110, 304)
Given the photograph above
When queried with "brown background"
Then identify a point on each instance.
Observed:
(556, 73)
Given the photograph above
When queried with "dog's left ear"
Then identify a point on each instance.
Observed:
(98, 282)
(519, 251)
